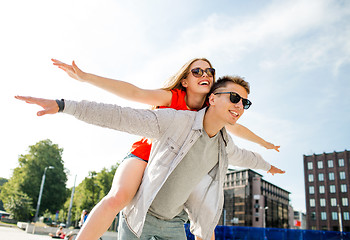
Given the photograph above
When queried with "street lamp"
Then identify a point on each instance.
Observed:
(41, 193)
(340, 219)
(265, 215)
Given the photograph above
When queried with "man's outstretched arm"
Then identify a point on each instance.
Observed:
(141, 122)
(248, 159)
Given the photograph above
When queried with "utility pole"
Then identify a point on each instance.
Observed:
(71, 204)
(41, 193)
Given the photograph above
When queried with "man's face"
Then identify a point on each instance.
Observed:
(226, 110)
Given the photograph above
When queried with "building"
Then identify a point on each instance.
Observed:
(327, 191)
(252, 201)
(299, 220)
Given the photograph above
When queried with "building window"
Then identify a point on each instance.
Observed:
(321, 188)
(343, 188)
(311, 189)
(320, 164)
(330, 163)
(332, 188)
(323, 216)
(331, 176)
(342, 175)
(341, 162)
(310, 165)
(311, 177)
(256, 219)
(334, 216)
(320, 177)
(346, 216)
(345, 202)
(322, 202)
(333, 202)
(312, 202)
(313, 216)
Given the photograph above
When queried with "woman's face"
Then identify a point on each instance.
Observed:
(199, 83)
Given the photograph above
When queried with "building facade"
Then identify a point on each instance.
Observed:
(252, 201)
(327, 191)
(299, 220)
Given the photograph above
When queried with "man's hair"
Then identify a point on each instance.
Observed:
(223, 81)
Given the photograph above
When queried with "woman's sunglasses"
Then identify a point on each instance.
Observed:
(235, 98)
(198, 72)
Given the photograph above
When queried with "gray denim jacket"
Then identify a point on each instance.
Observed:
(173, 133)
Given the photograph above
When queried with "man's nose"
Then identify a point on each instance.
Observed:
(240, 104)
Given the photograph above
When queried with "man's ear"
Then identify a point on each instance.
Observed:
(211, 99)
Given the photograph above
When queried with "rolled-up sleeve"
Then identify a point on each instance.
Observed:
(143, 122)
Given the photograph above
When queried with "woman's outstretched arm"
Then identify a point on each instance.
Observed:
(243, 132)
(155, 97)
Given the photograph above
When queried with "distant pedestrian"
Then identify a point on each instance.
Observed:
(83, 217)
(59, 233)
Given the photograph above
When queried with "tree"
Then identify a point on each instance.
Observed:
(27, 177)
(91, 190)
(20, 206)
(2, 181)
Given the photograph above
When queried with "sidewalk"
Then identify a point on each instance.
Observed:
(14, 233)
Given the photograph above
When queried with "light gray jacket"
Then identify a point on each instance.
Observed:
(173, 133)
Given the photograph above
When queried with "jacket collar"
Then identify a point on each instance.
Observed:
(198, 121)
(198, 124)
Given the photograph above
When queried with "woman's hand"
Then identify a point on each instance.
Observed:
(269, 145)
(72, 70)
(49, 106)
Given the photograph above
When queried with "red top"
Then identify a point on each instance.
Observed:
(142, 148)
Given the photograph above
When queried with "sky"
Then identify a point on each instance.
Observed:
(295, 54)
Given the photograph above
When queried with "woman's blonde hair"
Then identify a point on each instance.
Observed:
(175, 81)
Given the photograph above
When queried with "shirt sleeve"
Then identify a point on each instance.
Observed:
(142, 122)
(244, 158)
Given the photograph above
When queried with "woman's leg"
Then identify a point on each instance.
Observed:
(126, 182)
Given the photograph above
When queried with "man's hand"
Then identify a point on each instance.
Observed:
(274, 170)
(269, 145)
(72, 70)
(49, 106)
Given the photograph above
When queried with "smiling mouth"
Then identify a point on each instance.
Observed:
(204, 83)
(234, 113)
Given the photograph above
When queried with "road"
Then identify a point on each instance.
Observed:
(14, 233)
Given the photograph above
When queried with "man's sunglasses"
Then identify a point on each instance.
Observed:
(198, 72)
(235, 98)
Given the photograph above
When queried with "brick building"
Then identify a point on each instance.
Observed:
(327, 193)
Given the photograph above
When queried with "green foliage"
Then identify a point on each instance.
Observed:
(28, 176)
(2, 181)
(20, 206)
(91, 190)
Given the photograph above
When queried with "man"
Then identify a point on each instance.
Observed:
(188, 162)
